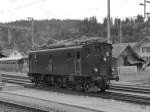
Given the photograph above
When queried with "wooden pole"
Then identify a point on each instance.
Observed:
(108, 21)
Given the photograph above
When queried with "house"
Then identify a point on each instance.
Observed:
(12, 53)
(124, 55)
(2, 56)
(142, 48)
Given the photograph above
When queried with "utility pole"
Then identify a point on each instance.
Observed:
(108, 21)
(144, 4)
(145, 13)
(32, 29)
(10, 27)
(120, 31)
(144, 9)
(9, 37)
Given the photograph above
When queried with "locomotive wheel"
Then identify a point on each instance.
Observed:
(103, 86)
(70, 86)
(36, 81)
(102, 89)
(49, 80)
(86, 87)
(78, 87)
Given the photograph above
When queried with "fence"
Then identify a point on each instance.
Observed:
(127, 69)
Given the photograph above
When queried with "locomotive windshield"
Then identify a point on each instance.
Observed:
(97, 48)
(102, 50)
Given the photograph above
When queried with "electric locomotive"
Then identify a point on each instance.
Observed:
(82, 67)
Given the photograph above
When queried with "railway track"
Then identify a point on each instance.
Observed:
(115, 93)
(26, 83)
(143, 100)
(16, 80)
(134, 89)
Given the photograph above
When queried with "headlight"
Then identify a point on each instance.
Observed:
(95, 70)
(107, 53)
(113, 69)
(105, 59)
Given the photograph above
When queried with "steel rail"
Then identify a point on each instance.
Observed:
(23, 80)
(15, 76)
(30, 85)
(131, 89)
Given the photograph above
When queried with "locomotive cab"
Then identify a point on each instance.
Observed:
(97, 63)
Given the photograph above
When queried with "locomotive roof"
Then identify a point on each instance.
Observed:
(59, 49)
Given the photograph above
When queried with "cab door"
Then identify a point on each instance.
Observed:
(78, 63)
(50, 64)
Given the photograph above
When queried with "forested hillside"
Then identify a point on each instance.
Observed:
(46, 31)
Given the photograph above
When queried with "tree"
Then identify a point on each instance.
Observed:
(89, 26)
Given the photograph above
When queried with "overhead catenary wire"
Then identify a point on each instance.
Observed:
(22, 6)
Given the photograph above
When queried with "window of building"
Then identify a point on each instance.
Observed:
(144, 50)
(148, 49)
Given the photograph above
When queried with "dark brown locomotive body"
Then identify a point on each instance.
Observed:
(81, 67)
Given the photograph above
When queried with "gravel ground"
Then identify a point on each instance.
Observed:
(4, 107)
(44, 104)
(84, 101)
(141, 78)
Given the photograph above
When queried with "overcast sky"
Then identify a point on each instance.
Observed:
(11, 10)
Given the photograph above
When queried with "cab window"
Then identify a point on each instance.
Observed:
(97, 48)
(68, 56)
(78, 55)
(87, 50)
